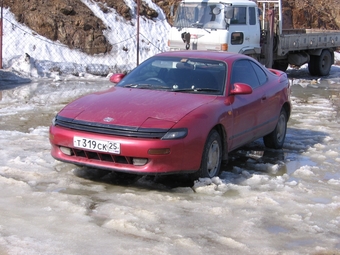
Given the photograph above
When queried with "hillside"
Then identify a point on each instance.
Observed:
(320, 14)
(73, 23)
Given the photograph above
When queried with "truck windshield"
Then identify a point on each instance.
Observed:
(200, 15)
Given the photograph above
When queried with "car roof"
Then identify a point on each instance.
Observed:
(213, 55)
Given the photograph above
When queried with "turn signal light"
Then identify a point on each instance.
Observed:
(224, 47)
(162, 151)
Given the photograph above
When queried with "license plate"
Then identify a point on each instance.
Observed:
(96, 145)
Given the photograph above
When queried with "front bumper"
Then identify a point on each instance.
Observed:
(160, 156)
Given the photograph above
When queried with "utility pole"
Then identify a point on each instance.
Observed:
(1, 31)
(138, 8)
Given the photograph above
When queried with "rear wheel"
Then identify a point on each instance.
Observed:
(320, 65)
(276, 138)
(211, 158)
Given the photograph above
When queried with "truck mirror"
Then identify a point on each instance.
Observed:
(229, 12)
(216, 11)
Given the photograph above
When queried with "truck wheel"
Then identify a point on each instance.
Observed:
(280, 65)
(320, 65)
(325, 63)
(211, 158)
(276, 138)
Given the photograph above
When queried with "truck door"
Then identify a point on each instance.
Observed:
(244, 30)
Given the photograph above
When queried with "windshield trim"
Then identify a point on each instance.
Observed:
(178, 74)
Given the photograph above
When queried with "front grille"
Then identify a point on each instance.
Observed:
(155, 133)
(101, 156)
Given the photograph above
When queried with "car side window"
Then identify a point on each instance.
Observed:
(243, 72)
(261, 75)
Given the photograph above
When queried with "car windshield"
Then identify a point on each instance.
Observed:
(201, 15)
(176, 74)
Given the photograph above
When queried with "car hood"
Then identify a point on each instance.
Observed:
(135, 107)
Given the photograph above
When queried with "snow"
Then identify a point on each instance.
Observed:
(46, 55)
(269, 202)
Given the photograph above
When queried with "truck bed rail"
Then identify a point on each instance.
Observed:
(307, 39)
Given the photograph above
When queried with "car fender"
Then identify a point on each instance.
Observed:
(201, 121)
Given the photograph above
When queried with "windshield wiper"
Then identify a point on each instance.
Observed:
(197, 25)
(195, 89)
(145, 86)
(132, 85)
(206, 89)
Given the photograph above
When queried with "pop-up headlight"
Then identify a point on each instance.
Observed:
(175, 134)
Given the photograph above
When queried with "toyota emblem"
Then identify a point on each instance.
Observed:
(108, 119)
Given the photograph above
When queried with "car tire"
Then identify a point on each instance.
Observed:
(275, 139)
(211, 157)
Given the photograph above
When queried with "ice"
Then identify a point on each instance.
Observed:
(306, 171)
(244, 210)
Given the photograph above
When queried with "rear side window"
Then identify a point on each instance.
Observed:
(261, 75)
(243, 72)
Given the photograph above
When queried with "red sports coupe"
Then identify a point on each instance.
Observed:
(177, 112)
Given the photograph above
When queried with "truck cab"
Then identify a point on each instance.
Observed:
(232, 25)
(254, 28)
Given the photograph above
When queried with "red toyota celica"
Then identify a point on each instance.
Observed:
(177, 112)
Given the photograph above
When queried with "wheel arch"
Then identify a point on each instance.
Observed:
(317, 52)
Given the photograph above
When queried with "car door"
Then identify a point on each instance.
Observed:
(269, 91)
(247, 110)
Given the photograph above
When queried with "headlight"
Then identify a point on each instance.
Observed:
(53, 120)
(175, 134)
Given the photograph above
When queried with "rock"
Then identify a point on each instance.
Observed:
(67, 21)
(316, 14)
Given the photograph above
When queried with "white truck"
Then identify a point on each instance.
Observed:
(253, 28)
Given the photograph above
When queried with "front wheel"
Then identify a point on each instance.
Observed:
(276, 138)
(211, 158)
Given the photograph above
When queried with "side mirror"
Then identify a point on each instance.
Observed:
(229, 12)
(115, 78)
(241, 89)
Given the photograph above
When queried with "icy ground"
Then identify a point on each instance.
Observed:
(269, 202)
